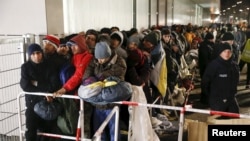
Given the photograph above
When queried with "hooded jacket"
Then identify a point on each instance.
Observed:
(80, 61)
(119, 50)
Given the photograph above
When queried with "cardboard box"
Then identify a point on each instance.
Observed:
(197, 131)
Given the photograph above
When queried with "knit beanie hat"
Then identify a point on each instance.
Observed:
(34, 47)
(223, 47)
(134, 39)
(227, 36)
(102, 50)
(152, 38)
(52, 39)
(209, 36)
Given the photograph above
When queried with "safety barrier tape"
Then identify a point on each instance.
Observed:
(186, 108)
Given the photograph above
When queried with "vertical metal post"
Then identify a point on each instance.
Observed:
(116, 123)
(134, 13)
(149, 13)
(82, 118)
(28, 39)
(157, 13)
(181, 123)
(166, 12)
(97, 135)
(172, 12)
(19, 117)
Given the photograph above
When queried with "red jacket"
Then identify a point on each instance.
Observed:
(80, 62)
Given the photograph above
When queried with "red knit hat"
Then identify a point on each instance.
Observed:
(54, 40)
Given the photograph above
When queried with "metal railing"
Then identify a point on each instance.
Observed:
(186, 108)
(80, 125)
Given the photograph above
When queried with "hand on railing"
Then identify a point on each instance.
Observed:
(59, 93)
(49, 98)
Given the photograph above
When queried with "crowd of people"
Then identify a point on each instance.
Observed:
(153, 59)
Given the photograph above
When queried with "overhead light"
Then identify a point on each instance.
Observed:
(247, 8)
(228, 8)
(240, 10)
(234, 6)
(239, 2)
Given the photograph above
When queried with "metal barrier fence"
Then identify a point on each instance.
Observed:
(11, 58)
(80, 126)
(97, 135)
(182, 111)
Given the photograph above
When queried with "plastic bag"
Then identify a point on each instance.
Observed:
(90, 90)
(48, 110)
(245, 56)
(140, 127)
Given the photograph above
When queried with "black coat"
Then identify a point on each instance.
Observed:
(204, 55)
(220, 81)
(138, 75)
(47, 80)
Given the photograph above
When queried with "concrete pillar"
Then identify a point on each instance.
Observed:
(54, 17)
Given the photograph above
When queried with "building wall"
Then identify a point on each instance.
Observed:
(31, 16)
(67, 16)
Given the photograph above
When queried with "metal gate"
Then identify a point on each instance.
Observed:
(12, 55)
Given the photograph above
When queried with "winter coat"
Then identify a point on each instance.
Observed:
(205, 52)
(172, 66)
(116, 66)
(80, 62)
(119, 50)
(139, 74)
(55, 61)
(220, 80)
(46, 77)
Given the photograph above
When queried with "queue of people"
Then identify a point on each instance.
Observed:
(151, 59)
